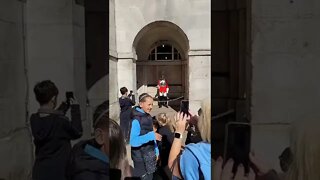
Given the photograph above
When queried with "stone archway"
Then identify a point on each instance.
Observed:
(151, 37)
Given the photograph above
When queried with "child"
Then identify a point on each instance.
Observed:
(125, 114)
(166, 130)
(52, 132)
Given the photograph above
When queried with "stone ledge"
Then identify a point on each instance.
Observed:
(126, 55)
(200, 52)
(113, 53)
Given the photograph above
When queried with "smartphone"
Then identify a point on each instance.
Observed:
(237, 144)
(184, 107)
(115, 173)
(69, 95)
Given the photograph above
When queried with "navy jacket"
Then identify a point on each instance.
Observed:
(52, 133)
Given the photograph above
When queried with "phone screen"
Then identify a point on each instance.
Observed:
(237, 145)
(184, 106)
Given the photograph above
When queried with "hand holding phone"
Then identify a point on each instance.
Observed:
(70, 98)
(184, 107)
(237, 144)
(69, 95)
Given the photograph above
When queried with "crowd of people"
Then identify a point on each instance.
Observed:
(159, 149)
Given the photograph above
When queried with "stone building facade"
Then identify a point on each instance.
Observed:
(150, 38)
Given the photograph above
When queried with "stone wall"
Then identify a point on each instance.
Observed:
(39, 39)
(199, 79)
(113, 65)
(285, 67)
(15, 141)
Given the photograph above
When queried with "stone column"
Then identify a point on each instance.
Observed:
(16, 148)
(199, 68)
(113, 65)
(79, 57)
(126, 71)
(113, 88)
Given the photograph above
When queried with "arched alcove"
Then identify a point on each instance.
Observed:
(157, 38)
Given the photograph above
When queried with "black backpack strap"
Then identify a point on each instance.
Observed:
(177, 160)
(201, 177)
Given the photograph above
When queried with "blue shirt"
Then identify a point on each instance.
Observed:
(189, 164)
(137, 140)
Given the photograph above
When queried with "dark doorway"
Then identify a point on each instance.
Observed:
(97, 40)
(230, 67)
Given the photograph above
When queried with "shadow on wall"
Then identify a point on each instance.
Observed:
(97, 94)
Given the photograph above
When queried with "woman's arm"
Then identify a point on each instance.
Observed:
(173, 161)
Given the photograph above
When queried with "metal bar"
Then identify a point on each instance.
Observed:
(223, 114)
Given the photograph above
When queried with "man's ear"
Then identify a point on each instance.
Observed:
(140, 104)
(98, 135)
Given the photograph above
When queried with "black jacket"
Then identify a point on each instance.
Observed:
(84, 166)
(165, 144)
(52, 132)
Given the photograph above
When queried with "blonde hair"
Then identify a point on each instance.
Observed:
(204, 122)
(164, 120)
(305, 146)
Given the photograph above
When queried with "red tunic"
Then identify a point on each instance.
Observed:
(162, 85)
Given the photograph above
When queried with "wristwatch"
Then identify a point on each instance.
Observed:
(178, 135)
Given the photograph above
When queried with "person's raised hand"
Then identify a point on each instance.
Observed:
(181, 120)
(260, 167)
(73, 101)
(221, 172)
(240, 175)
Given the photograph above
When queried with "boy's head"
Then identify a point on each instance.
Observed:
(163, 119)
(46, 92)
(123, 90)
(101, 125)
(146, 102)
